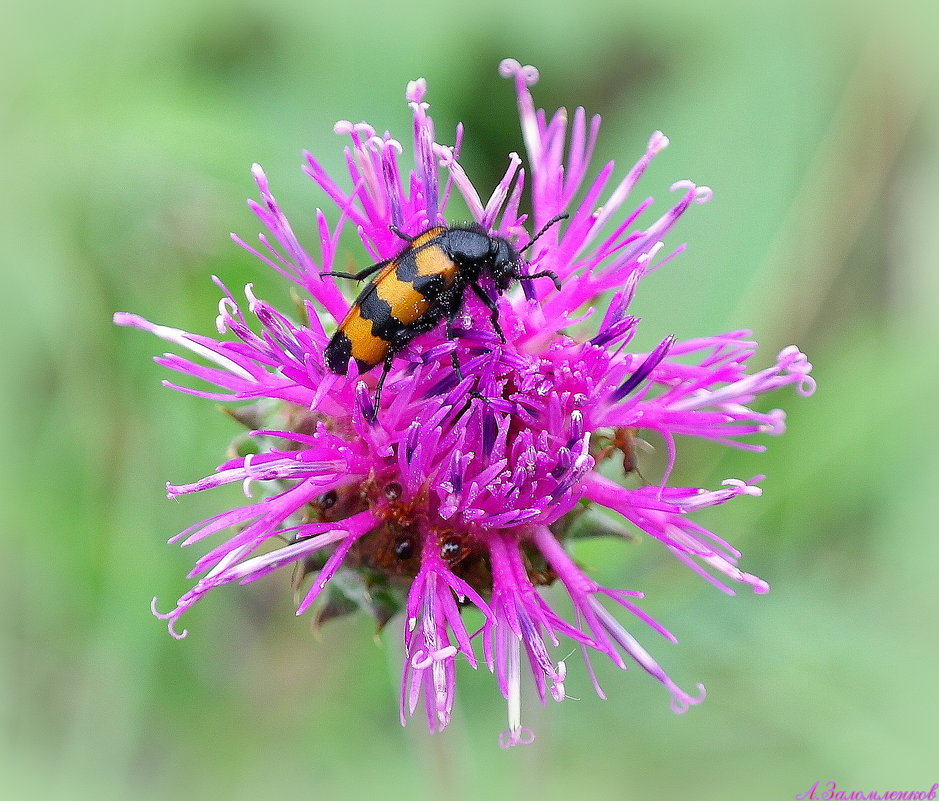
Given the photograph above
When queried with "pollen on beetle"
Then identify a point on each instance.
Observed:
(438, 442)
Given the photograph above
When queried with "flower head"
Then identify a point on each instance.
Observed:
(464, 486)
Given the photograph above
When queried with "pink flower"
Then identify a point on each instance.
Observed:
(464, 492)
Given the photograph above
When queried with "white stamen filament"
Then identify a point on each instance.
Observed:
(181, 338)
(514, 687)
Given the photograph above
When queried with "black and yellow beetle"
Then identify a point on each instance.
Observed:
(424, 284)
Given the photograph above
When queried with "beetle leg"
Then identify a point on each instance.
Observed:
(399, 233)
(454, 359)
(362, 275)
(492, 306)
(381, 382)
(398, 342)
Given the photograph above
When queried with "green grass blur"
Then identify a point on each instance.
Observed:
(127, 132)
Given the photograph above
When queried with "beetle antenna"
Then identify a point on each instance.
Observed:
(556, 219)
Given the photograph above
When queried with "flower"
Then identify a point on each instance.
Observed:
(464, 487)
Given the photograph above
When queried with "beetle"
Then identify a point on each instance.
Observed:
(425, 283)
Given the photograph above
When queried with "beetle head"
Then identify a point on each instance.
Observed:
(506, 262)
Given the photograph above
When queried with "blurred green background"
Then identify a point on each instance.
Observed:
(127, 133)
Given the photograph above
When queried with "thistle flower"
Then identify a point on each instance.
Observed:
(464, 488)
